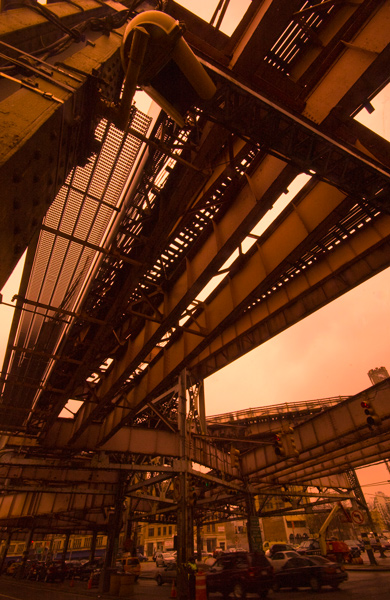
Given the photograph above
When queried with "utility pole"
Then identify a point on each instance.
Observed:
(184, 516)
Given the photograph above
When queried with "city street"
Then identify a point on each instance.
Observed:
(369, 585)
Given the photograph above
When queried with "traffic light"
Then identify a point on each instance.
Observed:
(293, 444)
(278, 446)
(192, 495)
(234, 456)
(372, 417)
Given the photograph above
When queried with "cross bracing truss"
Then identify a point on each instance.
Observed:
(329, 441)
(134, 236)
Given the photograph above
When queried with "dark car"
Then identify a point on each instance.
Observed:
(309, 546)
(86, 570)
(73, 569)
(240, 573)
(313, 572)
(279, 547)
(55, 571)
(354, 548)
(36, 571)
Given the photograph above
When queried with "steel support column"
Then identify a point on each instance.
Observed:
(5, 550)
(114, 527)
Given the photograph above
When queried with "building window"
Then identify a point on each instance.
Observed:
(99, 541)
(77, 543)
(164, 531)
(87, 542)
(170, 530)
(151, 532)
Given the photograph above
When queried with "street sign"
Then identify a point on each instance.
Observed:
(357, 517)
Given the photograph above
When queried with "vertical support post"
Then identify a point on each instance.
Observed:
(199, 541)
(183, 516)
(5, 550)
(114, 527)
(66, 546)
(25, 554)
(202, 409)
(93, 546)
(253, 528)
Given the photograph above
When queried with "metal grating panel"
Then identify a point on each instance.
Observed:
(83, 212)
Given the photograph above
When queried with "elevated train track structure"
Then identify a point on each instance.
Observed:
(125, 229)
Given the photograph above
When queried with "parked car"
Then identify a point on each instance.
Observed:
(279, 547)
(279, 559)
(240, 573)
(12, 566)
(354, 547)
(166, 574)
(165, 559)
(313, 572)
(73, 568)
(55, 571)
(309, 546)
(131, 565)
(36, 571)
(95, 575)
(385, 543)
(86, 570)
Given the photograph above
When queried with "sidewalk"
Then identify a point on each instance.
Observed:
(383, 564)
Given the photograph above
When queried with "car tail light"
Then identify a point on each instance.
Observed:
(251, 572)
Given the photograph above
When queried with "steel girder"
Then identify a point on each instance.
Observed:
(330, 433)
(329, 443)
(247, 297)
(287, 136)
(45, 503)
(256, 196)
(340, 434)
(47, 125)
(297, 141)
(285, 306)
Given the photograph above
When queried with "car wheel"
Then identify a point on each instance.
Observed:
(276, 586)
(315, 584)
(239, 590)
(159, 580)
(263, 593)
(335, 586)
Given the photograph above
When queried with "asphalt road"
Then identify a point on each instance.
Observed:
(360, 586)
